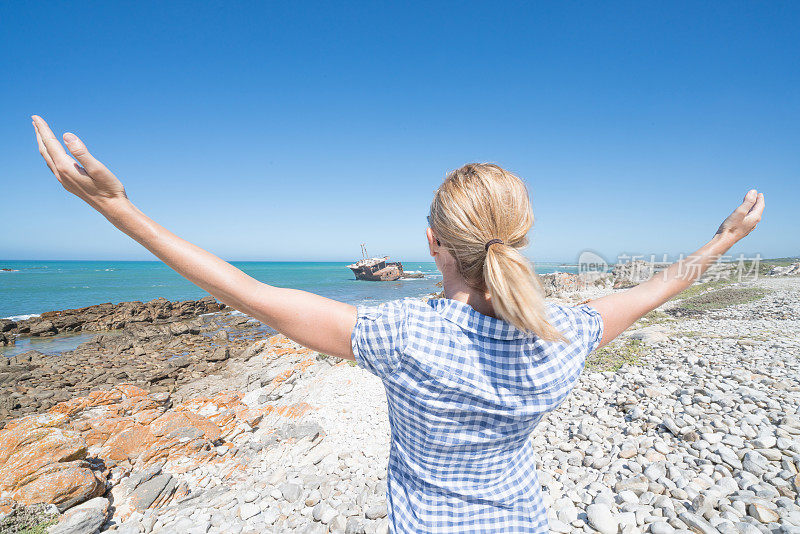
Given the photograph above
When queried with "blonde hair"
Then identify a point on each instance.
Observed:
(478, 203)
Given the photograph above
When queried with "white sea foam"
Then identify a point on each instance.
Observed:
(22, 317)
(226, 310)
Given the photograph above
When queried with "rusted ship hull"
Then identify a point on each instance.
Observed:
(377, 269)
(392, 271)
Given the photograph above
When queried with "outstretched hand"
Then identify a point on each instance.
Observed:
(320, 323)
(85, 178)
(744, 219)
(620, 310)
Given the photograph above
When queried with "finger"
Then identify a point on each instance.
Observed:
(60, 158)
(757, 209)
(43, 151)
(748, 201)
(78, 149)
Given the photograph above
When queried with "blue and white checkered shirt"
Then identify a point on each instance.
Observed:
(465, 391)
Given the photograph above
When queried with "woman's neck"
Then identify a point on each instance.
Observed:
(457, 289)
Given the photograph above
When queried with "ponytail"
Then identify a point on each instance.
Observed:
(482, 215)
(516, 292)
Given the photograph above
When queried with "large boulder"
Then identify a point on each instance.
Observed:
(785, 270)
(219, 354)
(632, 273)
(22, 432)
(43, 328)
(556, 284)
(64, 485)
(86, 518)
(147, 493)
(40, 462)
(653, 334)
(559, 284)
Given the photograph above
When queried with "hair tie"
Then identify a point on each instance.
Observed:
(492, 242)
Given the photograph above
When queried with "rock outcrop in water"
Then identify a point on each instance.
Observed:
(156, 356)
(109, 316)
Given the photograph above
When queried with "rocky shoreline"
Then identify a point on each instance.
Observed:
(202, 421)
(158, 345)
(106, 316)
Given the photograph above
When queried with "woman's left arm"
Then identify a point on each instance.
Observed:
(620, 310)
(316, 322)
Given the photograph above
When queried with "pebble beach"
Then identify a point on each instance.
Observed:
(689, 422)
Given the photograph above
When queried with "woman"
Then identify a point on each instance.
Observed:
(467, 377)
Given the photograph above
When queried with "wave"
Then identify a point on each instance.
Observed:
(9, 270)
(22, 317)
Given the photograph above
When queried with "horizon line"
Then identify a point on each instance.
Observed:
(335, 261)
(248, 260)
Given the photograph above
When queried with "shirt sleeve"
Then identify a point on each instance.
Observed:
(591, 324)
(581, 325)
(588, 325)
(379, 336)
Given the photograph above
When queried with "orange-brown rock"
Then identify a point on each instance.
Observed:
(127, 425)
(21, 432)
(126, 444)
(64, 485)
(40, 462)
(54, 457)
(182, 424)
(31, 461)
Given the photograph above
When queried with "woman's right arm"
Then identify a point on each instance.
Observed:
(313, 321)
(620, 310)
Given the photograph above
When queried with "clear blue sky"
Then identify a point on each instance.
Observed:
(297, 131)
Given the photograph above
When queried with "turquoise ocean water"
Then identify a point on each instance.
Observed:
(33, 287)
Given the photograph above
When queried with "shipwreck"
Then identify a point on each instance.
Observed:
(379, 268)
